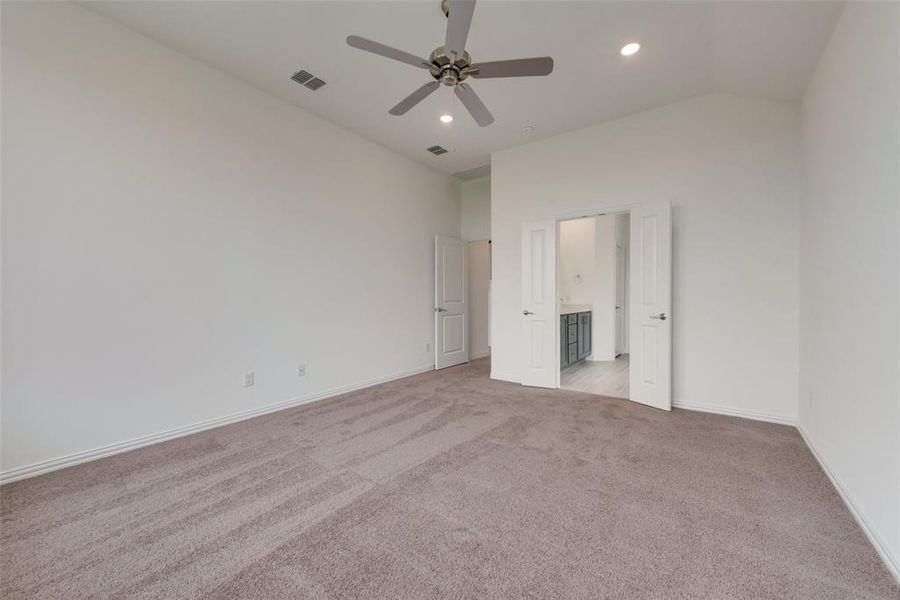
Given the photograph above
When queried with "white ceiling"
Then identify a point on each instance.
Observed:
(757, 48)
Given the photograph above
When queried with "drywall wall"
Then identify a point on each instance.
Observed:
(576, 276)
(479, 274)
(623, 238)
(850, 267)
(603, 319)
(475, 209)
(167, 228)
(730, 166)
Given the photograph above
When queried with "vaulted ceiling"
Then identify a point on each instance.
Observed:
(757, 48)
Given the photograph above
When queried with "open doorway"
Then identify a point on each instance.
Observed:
(592, 288)
(462, 292)
(479, 274)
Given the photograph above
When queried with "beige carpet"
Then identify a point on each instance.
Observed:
(446, 485)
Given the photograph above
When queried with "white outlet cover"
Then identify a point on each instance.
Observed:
(249, 379)
(301, 370)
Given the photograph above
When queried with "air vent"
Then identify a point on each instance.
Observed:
(308, 80)
(302, 77)
(437, 150)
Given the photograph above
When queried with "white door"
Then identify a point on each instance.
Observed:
(650, 380)
(450, 311)
(540, 320)
(620, 300)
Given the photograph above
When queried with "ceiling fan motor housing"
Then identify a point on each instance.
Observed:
(446, 70)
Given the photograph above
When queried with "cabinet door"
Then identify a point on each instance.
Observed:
(563, 350)
(573, 353)
(584, 327)
(587, 333)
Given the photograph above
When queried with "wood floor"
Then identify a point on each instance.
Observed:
(606, 378)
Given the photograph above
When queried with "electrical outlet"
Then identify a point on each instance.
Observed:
(301, 371)
(810, 401)
(249, 379)
(427, 346)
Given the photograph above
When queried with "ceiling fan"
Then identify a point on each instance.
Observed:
(450, 64)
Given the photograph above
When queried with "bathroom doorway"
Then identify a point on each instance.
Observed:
(593, 286)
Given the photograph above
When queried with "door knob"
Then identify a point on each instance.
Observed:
(439, 309)
(660, 316)
(527, 312)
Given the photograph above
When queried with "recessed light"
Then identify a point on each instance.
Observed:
(629, 49)
(446, 118)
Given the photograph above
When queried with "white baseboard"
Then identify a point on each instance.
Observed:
(482, 355)
(505, 377)
(718, 409)
(891, 562)
(54, 464)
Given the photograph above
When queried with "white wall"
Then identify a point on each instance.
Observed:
(603, 318)
(623, 240)
(850, 267)
(479, 274)
(577, 276)
(475, 209)
(167, 228)
(730, 166)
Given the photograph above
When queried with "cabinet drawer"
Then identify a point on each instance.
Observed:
(573, 333)
(573, 353)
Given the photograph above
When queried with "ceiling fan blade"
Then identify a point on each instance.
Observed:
(520, 67)
(474, 105)
(459, 19)
(414, 98)
(387, 51)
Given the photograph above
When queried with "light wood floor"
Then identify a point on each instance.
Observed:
(606, 378)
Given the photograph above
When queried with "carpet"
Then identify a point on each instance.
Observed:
(446, 485)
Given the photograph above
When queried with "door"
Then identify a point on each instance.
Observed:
(620, 300)
(650, 341)
(540, 320)
(451, 346)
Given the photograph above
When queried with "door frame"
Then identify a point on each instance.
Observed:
(612, 209)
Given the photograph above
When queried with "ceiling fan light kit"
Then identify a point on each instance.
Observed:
(451, 65)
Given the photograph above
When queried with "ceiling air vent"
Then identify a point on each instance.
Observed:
(437, 150)
(307, 79)
(314, 83)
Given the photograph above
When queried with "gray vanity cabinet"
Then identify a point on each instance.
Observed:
(574, 338)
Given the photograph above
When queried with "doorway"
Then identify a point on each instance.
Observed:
(479, 274)
(649, 299)
(462, 288)
(592, 289)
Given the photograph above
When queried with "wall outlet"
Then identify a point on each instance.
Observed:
(810, 400)
(301, 370)
(249, 379)
(427, 346)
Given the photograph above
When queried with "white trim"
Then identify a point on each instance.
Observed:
(54, 464)
(756, 415)
(510, 377)
(891, 562)
(482, 355)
